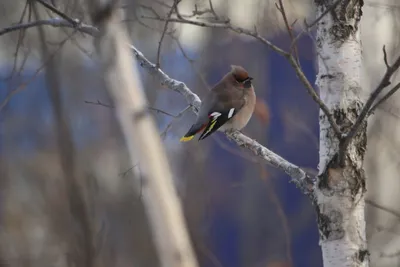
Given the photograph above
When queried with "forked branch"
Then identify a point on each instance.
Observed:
(369, 106)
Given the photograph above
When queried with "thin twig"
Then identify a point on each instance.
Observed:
(59, 13)
(99, 103)
(27, 8)
(169, 126)
(384, 98)
(54, 22)
(289, 29)
(212, 8)
(176, 2)
(223, 25)
(23, 85)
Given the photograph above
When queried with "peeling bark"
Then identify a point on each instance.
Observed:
(340, 191)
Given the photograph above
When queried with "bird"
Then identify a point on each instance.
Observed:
(228, 106)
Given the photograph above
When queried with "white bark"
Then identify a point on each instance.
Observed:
(341, 187)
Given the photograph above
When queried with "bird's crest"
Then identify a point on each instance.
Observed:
(239, 73)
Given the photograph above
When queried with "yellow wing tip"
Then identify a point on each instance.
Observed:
(186, 138)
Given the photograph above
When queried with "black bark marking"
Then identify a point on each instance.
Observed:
(327, 76)
(362, 255)
(346, 17)
(330, 224)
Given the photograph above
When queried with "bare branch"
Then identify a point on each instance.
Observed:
(23, 85)
(99, 103)
(385, 57)
(57, 12)
(175, 5)
(169, 126)
(300, 74)
(289, 29)
(223, 25)
(384, 98)
(385, 82)
(388, 210)
(301, 178)
(54, 22)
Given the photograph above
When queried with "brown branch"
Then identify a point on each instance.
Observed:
(300, 74)
(384, 98)
(223, 25)
(289, 29)
(175, 5)
(366, 110)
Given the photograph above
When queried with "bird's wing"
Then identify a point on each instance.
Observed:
(224, 105)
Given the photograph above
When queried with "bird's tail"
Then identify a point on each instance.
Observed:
(196, 128)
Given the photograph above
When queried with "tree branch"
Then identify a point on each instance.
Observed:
(299, 176)
(385, 82)
(292, 59)
(175, 5)
(54, 22)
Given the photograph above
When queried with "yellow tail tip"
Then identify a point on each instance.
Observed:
(186, 138)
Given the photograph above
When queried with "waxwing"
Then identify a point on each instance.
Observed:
(228, 106)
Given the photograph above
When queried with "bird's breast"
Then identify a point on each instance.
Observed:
(240, 120)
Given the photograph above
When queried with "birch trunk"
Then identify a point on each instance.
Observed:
(340, 190)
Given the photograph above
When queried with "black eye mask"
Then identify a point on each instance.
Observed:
(247, 83)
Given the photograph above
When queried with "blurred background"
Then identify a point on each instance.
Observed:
(68, 194)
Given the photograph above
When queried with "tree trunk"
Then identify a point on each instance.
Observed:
(340, 190)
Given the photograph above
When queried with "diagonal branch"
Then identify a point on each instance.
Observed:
(175, 5)
(292, 60)
(298, 175)
(384, 98)
(54, 22)
(385, 82)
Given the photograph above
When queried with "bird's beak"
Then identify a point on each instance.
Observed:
(251, 78)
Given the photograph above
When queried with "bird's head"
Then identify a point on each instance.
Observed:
(241, 76)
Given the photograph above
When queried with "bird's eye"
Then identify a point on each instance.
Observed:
(247, 82)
